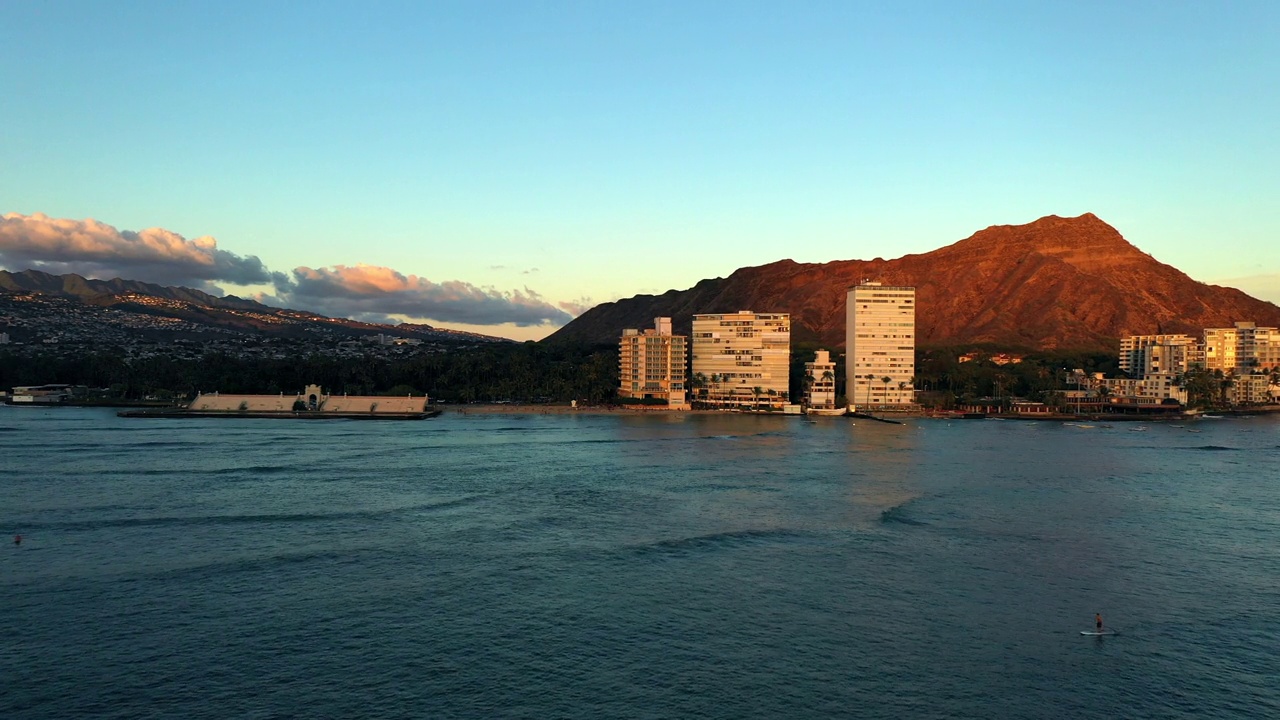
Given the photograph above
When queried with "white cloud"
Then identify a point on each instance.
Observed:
(364, 290)
(92, 248)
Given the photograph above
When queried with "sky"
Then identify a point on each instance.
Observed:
(501, 167)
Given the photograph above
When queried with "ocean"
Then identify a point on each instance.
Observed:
(637, 566)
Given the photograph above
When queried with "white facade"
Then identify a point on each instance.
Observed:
(742, 359)
(821, 380)
(1142, 355)
(880, 343)
(1152, 389)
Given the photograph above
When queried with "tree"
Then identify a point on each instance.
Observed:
(1226, 383)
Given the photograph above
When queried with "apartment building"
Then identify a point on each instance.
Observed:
(1248, 389)
(820, 378)
(1154, 389)
(652, 364)
(742, 359)
(1143, 355)
(880, 331)
(1243, 349)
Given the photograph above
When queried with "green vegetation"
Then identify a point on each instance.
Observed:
(534, 372)
(946, 382)
(519, 372)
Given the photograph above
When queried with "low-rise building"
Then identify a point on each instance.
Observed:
(312, 399)
(820, 377)
(1249, 389)
(1154, 389)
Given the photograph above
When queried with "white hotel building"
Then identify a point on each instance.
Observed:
(880, 345)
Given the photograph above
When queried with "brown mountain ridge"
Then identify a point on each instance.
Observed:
(1056, 283)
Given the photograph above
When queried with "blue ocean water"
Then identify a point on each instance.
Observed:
(621, 566)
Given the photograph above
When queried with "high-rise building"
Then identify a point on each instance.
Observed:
(880, 345)
(651, 364)
(1143, 355)
(820, 376)
(742, 359)
(1243, 349)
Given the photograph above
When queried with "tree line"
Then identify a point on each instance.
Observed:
(521, 372)
(533, 372)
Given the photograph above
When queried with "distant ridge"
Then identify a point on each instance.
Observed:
(202, 308)
(87, 289)
(1050, 284)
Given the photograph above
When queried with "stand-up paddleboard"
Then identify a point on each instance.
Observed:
(1097, 633)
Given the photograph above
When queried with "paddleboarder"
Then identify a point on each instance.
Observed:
(1097, 620)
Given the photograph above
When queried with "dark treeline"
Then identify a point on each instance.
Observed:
(530, 372)
(523, 372)
(945, 381)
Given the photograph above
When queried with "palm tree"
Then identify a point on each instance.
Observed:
(886, 380)
(756, 392)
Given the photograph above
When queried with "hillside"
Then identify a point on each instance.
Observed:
(1053, 283)
(199, 310)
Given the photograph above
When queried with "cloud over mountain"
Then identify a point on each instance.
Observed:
(370, 290)
(365, 292)
(93, 248)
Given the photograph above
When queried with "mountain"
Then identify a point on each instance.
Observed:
(1071, 283)
(201, 310)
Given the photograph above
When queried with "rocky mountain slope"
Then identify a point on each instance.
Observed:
(1054, 283)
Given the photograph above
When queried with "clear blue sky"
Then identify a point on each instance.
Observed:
(521, 158)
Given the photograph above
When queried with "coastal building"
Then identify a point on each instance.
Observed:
(652, 365)
(880, 331)
(742, 359)
(312, 400)
(1143, 355)
(1249, 389)
(820, 378)
(51, 394)
(1242, 349)
(1154, 389)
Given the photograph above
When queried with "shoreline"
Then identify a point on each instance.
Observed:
(535, 409)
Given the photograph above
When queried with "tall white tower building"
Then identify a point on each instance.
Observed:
(880, 345)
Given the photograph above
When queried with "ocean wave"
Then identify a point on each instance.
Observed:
(206, 520)
(255, 469)
(898, 514)
(715, 541)
(235, 566)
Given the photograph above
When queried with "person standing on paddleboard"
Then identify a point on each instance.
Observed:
(1097, 619)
